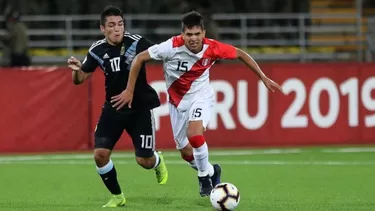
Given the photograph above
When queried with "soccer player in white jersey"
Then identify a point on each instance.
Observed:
(187, 60)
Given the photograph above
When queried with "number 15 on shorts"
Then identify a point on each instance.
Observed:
(197, 113)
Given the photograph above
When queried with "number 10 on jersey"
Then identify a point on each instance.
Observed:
(115, 64)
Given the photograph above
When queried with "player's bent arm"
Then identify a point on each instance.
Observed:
(135, 68)
(250, 62)
(83, 70)
(78, 76)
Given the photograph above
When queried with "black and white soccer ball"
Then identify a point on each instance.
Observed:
(225, 197)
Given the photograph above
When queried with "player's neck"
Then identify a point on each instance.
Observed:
(195, 51)
(111, 43)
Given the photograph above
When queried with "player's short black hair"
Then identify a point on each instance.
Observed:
(191, 19)
(110, 11)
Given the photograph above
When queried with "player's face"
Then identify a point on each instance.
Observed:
(193, 38)
(113, 29)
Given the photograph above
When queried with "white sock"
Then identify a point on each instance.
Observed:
(106, 168)
(190, 160)
(193, 165)
(201, 159)
(157, 159)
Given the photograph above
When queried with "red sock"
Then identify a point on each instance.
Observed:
(188, 158)
(196, 141)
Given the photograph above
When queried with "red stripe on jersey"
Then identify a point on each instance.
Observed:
(181, 86)
(221, 50)
(177, 41)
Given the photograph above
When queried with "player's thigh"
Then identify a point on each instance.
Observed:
(202, 111)
(179, 123)
(141, 129)
(109, 129)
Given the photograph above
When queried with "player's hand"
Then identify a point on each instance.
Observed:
(126, 97)
(74, 64)
(270, 84)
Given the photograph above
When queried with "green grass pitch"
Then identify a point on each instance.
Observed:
(303, 179)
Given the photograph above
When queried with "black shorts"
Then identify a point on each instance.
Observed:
(139, 124)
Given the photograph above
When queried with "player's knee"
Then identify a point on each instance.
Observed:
(147, 163)
(197, 141)
(195, 128)
(101, 156)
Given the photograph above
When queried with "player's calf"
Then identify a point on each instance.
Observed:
(155, 161)
(200, 153)
(148, 162)
(148, 159)
(107, 170)
(187, 155)
(205, 169)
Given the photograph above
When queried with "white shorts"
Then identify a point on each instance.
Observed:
(199, 110)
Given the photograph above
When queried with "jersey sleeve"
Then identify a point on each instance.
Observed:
(143, 44)
(161, 51)
(90, 62)
(225, 51)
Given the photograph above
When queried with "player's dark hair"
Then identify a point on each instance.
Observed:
(191, 19)
(109, 11)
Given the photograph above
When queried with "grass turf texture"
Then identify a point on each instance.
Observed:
(306, 179)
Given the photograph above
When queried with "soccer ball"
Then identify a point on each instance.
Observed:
(225, 196)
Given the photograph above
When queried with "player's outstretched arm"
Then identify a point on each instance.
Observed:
(126, 97)
(226, 51)
(252, 64)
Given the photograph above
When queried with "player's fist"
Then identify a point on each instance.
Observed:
(74, 63)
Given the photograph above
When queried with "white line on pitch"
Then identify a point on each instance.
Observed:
(131, 155)
(349, 150)
(176, 154)
(243, 162)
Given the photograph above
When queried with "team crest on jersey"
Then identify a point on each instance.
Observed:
(205, 62)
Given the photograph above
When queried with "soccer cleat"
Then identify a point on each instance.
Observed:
(116, 201)
(217, 175)
(205, 185)
(161, 171)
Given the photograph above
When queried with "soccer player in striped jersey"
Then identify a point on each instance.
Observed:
(114, 55)
(187, 60)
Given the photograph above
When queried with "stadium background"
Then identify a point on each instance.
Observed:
(320, 51)
(310, 149)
